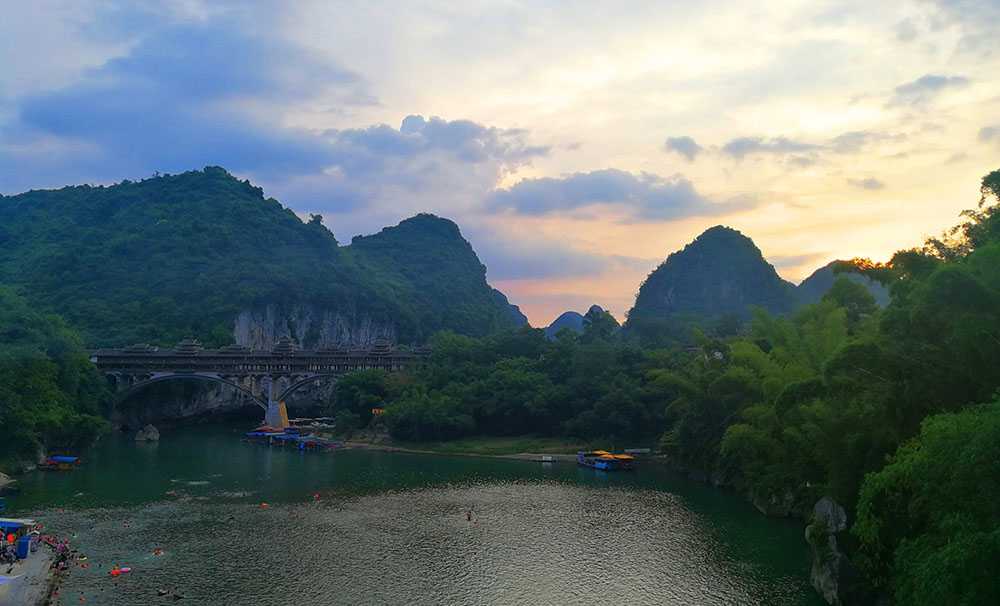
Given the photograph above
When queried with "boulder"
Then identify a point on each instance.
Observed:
(829, 565)
(148, 433)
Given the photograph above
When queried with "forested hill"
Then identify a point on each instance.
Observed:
(812, 289)
(718, 279)
(721, 272)
(425, 261)
(155, 260)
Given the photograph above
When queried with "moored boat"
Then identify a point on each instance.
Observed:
(60, 463)
(605, 461)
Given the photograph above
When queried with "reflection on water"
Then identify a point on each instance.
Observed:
(393, 529)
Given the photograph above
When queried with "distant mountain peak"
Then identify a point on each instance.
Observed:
(819, 282)
(571, 320)
(720, 272)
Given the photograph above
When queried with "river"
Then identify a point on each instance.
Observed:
(391, 528)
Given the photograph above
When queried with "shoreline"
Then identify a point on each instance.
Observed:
(35, 581)
(520, 456)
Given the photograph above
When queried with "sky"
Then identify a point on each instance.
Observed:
(576, 143)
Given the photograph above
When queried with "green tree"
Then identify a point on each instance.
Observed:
(50, 394)
(928, 523)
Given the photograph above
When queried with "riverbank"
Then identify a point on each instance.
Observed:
(31, 582)
(518, 448)
(521, 456)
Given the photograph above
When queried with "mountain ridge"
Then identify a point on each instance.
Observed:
(189, 254)
(722, 272)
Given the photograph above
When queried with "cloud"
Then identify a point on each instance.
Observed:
(854, 141)
(177, 100)
(869, 183)
(191, 92)
(513, 257)
(685, 146)
(925, 88)
(361, 150)
(906, 30)
(802, 161)
(646, 196)
(791, 261)
(989, 133)
(977, 21)
(746, 146)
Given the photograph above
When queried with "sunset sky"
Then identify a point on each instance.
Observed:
(575, 143)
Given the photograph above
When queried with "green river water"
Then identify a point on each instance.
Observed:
(391, 528)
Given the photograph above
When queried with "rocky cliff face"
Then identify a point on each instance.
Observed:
(832, 574)
(310, 326)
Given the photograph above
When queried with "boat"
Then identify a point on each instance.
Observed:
(291, 436)
(605, 461)
(60, 463)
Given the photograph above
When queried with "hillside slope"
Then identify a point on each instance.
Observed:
(204, 254)
(721, 272)
(819, 282)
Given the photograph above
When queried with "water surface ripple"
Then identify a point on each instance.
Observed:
(393, 529)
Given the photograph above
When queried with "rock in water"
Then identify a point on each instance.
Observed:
(829, 564)
(831, 514)
(148, 433)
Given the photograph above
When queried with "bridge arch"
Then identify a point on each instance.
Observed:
(295, 385)
(136, 387)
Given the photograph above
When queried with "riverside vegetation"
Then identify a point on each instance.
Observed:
(893, 412)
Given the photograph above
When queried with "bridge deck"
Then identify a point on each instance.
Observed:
(250, 362)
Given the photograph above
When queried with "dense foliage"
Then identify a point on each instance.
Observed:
(811, 404)
(50, 394)
(439, 282)
(929, 522)
(515, 383)
(721, 272)
(181, 255)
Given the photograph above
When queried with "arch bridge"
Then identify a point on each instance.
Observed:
(266, 377)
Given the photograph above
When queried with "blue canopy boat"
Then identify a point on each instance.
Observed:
(60, 463)
(605, 461)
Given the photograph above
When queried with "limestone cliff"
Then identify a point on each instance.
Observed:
(310, 326)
